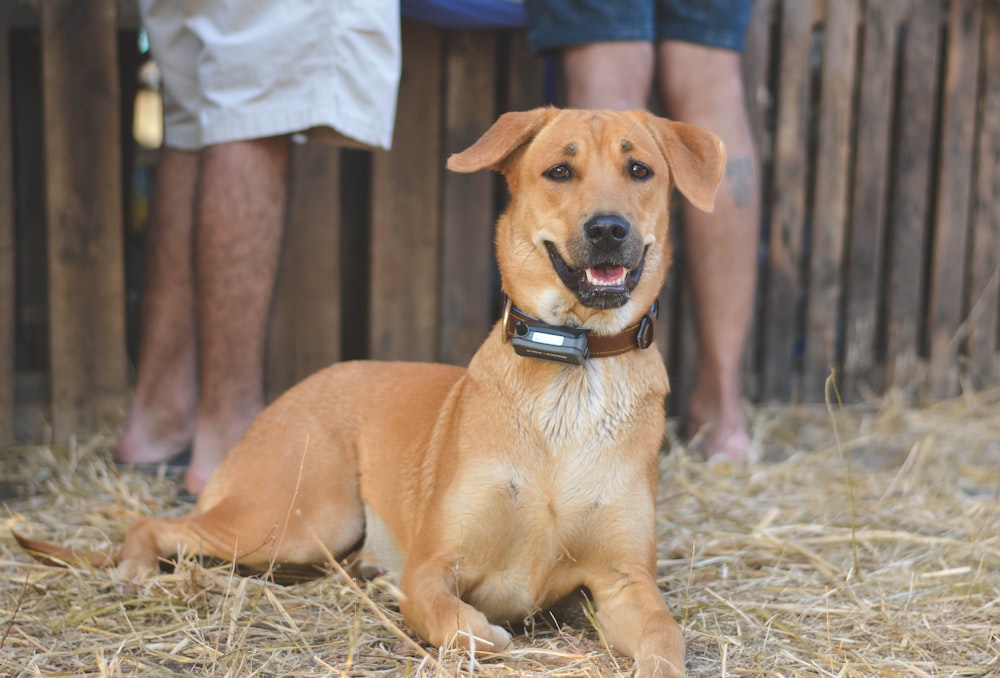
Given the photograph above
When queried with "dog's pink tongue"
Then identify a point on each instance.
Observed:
(606, 275)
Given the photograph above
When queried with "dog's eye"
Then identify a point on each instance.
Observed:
(558, 173)
(639, 171)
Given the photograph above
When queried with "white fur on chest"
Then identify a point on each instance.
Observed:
(584, 406)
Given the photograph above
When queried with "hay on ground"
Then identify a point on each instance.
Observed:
(866, 544)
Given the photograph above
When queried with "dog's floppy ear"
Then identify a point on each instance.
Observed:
(697, 159)
(508, 133)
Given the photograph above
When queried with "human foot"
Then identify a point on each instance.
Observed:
(153, 437)
(717, 433)
(211, 444)
(713, 443)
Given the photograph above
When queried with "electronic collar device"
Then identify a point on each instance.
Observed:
(533, 338)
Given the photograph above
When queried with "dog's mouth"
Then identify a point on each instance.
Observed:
(603, 285)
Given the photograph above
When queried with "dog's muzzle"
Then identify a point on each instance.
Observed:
(613, 258)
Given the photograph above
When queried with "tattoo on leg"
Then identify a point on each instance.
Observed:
(740, 180)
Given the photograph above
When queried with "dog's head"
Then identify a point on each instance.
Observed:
(585, 238)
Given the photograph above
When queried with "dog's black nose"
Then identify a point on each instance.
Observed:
(606, 231)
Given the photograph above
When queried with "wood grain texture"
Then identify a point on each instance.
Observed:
(984, 287)
(783, 275)
(946, 307)
(305, 325)
(868, 209)
(84, 206)
(912, 190)
(406, 210)
(7, 259)
(469, 200)
(830, 205)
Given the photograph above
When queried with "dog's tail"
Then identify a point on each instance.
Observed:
(60, 556)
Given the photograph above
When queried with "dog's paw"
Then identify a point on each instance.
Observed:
(131, 570)
(654, 666)
(486, 639)
(491, 640)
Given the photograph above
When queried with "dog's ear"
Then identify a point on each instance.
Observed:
(697, 159)
(508, 133)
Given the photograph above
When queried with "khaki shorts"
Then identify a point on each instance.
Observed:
(245, 69)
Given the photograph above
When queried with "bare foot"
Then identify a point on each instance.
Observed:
(154, 436)
(211, 444)
(715, 444)
(718, 434)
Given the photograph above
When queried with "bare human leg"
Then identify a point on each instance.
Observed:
(160, 420)
(703, 86)
(614, 75)
(240, 211)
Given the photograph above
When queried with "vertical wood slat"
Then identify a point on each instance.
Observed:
(945, 305)
(830, 200)
(405, 233)
(84, 200)
(666, 319)
(525, 74)
(305, 320)
(912, 178)
(984, 292)
(7, 297)
(757, 67)
(677, 318)
(466, 255)
(868, 208)
(788, 197)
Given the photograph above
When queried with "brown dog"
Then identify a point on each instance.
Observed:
(499, 489)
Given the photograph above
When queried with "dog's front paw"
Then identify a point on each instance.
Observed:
(486, 638)
(132, 570)
(654, 666)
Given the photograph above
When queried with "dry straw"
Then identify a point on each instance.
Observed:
(862, 544)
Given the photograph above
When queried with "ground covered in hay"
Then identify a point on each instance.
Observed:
(866, 543)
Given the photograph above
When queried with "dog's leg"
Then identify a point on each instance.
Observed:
(148, 540)
(431, 606)
(636, 621)
(219, 533)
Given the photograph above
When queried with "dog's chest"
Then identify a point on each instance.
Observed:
(554, 517)
(551, 511)
(580, 408)
(554, 474)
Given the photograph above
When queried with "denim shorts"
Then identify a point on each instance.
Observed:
(553, 24)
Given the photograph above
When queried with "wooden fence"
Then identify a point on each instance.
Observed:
(878, 124)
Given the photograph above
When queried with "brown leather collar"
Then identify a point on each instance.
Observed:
(640, 335)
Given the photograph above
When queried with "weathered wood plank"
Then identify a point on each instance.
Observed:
(831, 197)
(782, 276)
(467, 300)
(912, 179)
(84, 201)
(683, 340)
(25, 14)
(868, 208)
(984, 292)
(7, 281)
(406, 219)
(757, 69)
(524, 75)
(306, 316)
(951, 229)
